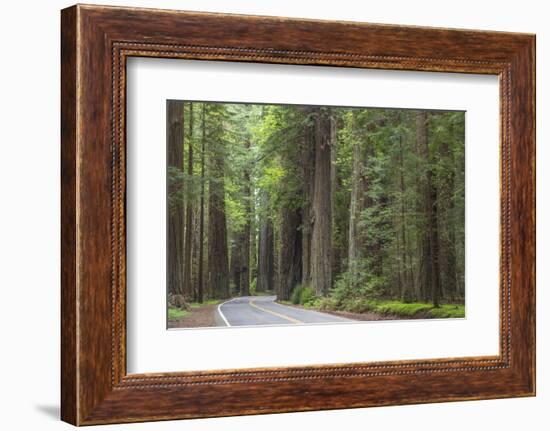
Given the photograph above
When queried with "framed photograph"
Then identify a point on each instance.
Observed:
(266, 215)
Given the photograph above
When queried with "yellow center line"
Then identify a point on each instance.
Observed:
(282, 316)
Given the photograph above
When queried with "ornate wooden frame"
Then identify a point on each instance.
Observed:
(95, 43)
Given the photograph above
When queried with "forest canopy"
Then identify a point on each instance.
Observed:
(336, 207)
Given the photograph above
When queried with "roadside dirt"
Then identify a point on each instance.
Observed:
(201, 317)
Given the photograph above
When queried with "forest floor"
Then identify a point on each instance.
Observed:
(198, 316)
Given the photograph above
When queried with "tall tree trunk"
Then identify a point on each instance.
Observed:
(290, 260)
(195, 250)
(308, 172)
(434, 243)
(355, 210)
(446, 223)
(335, 253)
(189, 212)
(425, 269)
(236, 264)
(431, 213)
(175, 204)
(245, 273)
(265, 276)
(200, 287)
(218, 265)
(253, 264)
(321, 241)
(406, 281)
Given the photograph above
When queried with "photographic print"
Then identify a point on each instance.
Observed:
(296, 214)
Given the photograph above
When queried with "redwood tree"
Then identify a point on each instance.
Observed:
(321, 241)
(176, 220)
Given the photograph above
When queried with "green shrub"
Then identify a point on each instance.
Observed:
(307, 295)
(295, 295)
(253, 286)
(356, 305)
(357, 284)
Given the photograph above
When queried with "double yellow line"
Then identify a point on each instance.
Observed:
(282, 316)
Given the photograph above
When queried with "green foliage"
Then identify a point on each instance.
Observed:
(255, 157)
(307, 295)
(296, 294)
(402, 309)
(204, 303)
(358, 283)
(176, 313)
(392, 307)
(449, 311)
(253, 284)
(303, 295)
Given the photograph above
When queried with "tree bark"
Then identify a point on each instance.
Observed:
(406, 283)
(237, 263)
(308, 171)
(425, 270)
(335, 253)
(355, 209)
(245, 272)
(266, 274)
(434, 243)
(321, 241)
(361, 153)
(431, 263)
(218, 265)
(200, 287)
(189, 212)
(175, 230)
(290, 260)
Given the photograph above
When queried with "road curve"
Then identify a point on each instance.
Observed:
(263, 310)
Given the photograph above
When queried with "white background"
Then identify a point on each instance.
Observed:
(151, 348)
(29, 216)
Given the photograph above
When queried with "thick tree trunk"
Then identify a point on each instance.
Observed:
(266, 273)
(321, 240)
(189, 213)
(290, 260)
(195, 251)
(175, 208)
(336, 252)
(425, 267)
(218, 271)
(447, 256)
(434, 243)
(308, 173)
(355, 210)
(253, 264)
(218, 265)
(237, 263)
(200, 286)
(407, 286)
(431, 231)
(245, 272)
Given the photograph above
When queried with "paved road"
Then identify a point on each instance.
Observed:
(263, 310)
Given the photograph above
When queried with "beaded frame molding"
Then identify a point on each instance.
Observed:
(95, 43)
